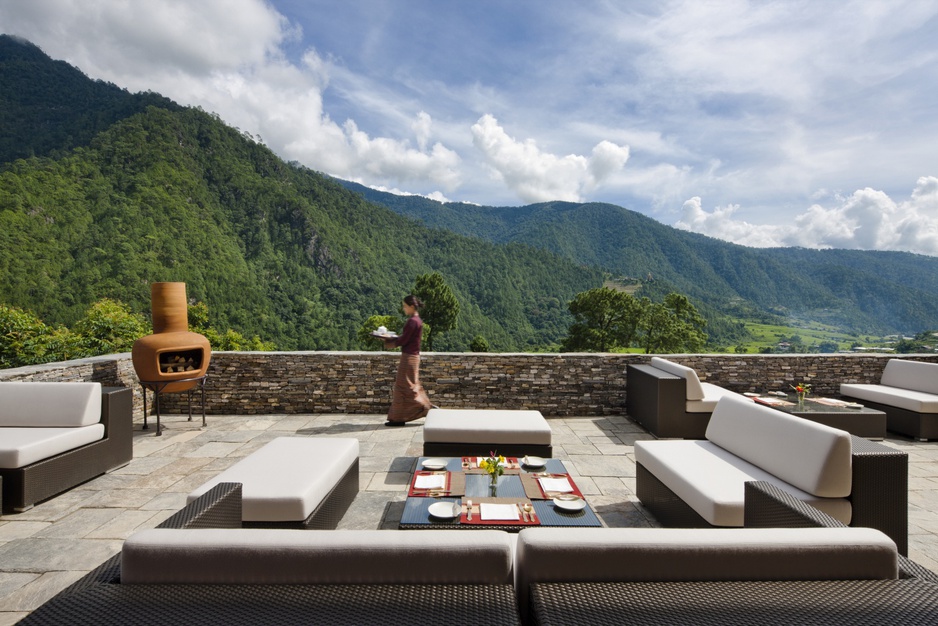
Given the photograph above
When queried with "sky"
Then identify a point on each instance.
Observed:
(764, 123)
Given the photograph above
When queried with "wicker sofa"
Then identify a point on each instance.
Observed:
(725, 576)
(702, 483)
(200, 566)
(669, 400)
(56, 435)
(907, 393)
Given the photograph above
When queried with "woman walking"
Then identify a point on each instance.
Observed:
(409, 401)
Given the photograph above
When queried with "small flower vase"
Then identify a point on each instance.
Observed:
(493, 483)
(801, 395)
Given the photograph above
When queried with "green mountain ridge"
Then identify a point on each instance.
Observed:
(858, 291)
(275, 250)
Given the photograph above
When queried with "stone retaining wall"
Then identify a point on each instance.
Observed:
(245, 383)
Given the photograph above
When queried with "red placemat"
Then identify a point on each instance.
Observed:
(477, 513)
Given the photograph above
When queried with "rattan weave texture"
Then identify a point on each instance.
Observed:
(857, 603)
(326, 605)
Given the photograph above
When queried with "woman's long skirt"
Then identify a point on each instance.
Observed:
(409, 401)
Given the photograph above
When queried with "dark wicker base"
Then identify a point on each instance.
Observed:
(434, 448)
(329, 512)
(859, 602)
(879, 495)
(657, 401)
(328, 605)
(25, 486)
(921, 426)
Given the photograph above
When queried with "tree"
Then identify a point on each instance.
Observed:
(604, 320)
(369, 341)
(673, 326)
(440, 308)
(479, 344)
(109, 326)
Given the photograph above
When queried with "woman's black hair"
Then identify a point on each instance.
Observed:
(412, 300)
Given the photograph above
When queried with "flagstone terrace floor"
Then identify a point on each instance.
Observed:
(53, 544)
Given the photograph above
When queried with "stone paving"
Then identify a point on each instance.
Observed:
(53, 544)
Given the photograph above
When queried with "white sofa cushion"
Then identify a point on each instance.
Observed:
(547, 555)
(286, 479)
(712, 480)
(274, 556)
(694, 389)
(49, 405)
(488, 426)
(20, 447)
(810, 456)
(686, 554)
(712, 395)
(913, 375)
(915, 401)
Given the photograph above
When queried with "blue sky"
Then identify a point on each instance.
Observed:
(764, 123)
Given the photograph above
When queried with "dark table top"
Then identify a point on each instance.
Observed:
(417, 517)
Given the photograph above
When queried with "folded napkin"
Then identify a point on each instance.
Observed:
(430, 481)
(559, 485)
(490, 511)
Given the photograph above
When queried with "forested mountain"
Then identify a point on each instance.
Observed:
(854, 290)
(274, 249)
(48, 107)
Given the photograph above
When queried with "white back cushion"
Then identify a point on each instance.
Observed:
(255, 556)
(44, 405)
(694, 389)
(911, 375)
(810, 456)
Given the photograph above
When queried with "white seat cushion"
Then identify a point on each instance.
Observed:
(712, 395)
(712, 480)
(915, 401)
(273, 556)
(20, 447)
(810, 456)
(694, 389)
(285, 480)
(913, 375)
(486, 426)
(44, 405)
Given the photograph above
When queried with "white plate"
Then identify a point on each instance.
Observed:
(444, 510)
(533, 461)
(434, 464)
(570, 505)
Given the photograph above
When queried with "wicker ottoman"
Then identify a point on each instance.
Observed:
(294, 482)
(455, 432)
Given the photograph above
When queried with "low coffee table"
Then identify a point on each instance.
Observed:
(416, 515)
(861, 421)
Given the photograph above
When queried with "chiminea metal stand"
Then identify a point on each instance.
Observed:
(159, 386)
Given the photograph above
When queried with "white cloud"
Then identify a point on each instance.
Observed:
(225, 56)
(538, 176)
(867, 220)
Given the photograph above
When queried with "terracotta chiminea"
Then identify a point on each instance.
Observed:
(171, 352)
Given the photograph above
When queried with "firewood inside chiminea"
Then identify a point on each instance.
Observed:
(185, 361)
